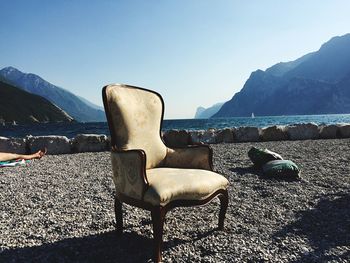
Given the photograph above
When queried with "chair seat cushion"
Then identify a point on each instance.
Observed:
(168, 184)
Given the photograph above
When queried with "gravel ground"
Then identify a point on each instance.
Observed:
(60, 209)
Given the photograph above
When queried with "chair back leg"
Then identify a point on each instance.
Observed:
(158, 217)
(223, 208)
(118, 215)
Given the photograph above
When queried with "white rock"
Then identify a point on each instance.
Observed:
(303, 131)
(344, 130)
(274, 133)
(225, 135)
(246, 134)
(202, 136)
(13, 145)
(328, 131)
(54, 144)
(90, 143)
(177, 138)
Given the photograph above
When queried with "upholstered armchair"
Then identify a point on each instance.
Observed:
(148, 174)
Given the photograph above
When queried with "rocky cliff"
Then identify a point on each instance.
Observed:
(23, 107)
(317, 83)
(75, 106)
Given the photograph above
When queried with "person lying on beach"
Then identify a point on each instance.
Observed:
(14, 156)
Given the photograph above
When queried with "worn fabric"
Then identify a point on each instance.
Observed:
(285, 169)
(191, 157)
(259, 157)
(168, 184)
(136, 118)
(127, 173)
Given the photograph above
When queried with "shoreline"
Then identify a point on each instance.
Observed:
(178, 138)
(60, 208)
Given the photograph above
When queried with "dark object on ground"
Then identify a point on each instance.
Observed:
(260, 157)
(281, 169)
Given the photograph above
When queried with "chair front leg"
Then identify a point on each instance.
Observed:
(118, 215)
(158, 216)
(223, 208)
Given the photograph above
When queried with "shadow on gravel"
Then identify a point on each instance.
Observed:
(246, 170)
(104, 247)
(258, 172)
(327, 228)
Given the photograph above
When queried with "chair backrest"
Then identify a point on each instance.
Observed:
(134, 117)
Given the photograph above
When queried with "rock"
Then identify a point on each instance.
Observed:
(274, 133)
(328, 131)
(177, 138)
(13, 145)
(246, 134)
(109, 142)
(303, 131)
(225, 135)
(208, 136)
(53, 144)
(90, 143)
(344, 130)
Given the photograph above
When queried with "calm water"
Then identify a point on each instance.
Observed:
(72, 129)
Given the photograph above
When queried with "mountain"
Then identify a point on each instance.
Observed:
(75, 106)
(316, 83)
(23, 107)
(203, 113)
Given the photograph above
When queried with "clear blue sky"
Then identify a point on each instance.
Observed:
(194, 52)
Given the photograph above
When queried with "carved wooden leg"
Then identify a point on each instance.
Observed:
(118, 215)
(223, 207)
(158, 216)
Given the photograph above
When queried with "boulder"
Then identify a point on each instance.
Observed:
(53, 144)
(344, 130)
(274, 133)
(90, 143)
(246, 134)
(177, 138)
(201, 136)
(109, 142)
(13, 145)
(303, 131)
(328, 131)
(225, 135)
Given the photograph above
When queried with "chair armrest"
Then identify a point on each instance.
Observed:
(129, 172)
(193, 156)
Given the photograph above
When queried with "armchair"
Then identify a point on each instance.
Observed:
(146, 173)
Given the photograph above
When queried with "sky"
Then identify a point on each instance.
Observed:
(193, 52)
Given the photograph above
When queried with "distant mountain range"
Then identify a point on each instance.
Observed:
(20, 106)
(205, 113)
(317, 83)
(77, 107)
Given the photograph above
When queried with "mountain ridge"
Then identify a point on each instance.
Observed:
(205, 113)
(316, 83)
(76, 107)
(20, 106)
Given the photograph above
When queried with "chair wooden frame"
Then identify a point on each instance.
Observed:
(157, 212)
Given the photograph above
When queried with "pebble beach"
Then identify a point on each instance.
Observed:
(60, 209)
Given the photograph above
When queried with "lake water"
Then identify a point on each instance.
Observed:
(72, 129)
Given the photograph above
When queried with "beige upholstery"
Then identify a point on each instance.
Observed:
(127, 168)
(137, 116)
(168, 184)
(191, 157)
(143, 167)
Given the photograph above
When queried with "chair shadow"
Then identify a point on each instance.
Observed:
(326, 227)
(105, 247)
